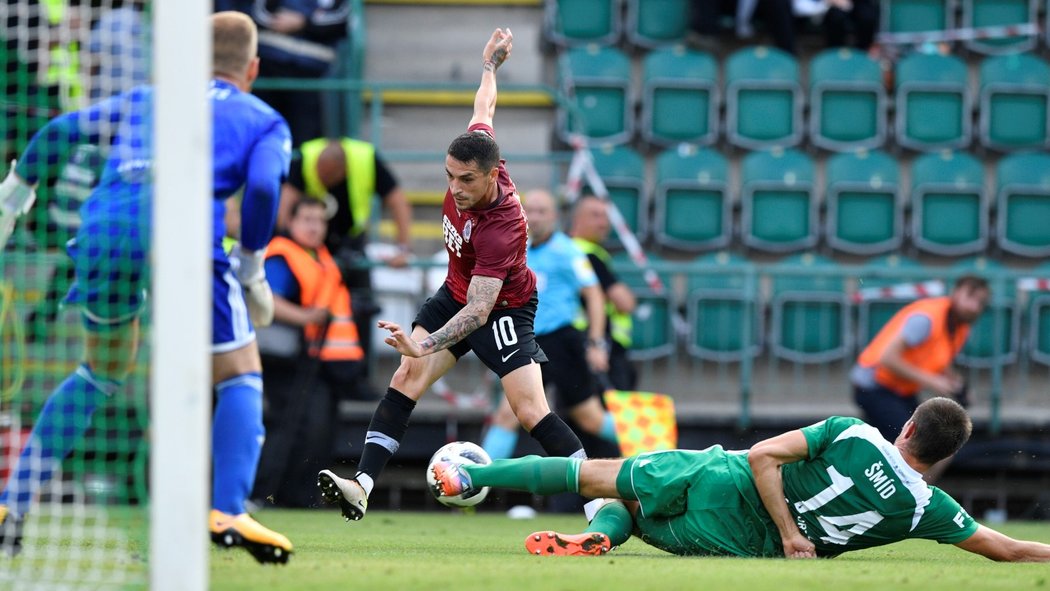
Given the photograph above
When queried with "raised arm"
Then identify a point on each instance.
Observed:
(1000, 547)
(496, 51)
(766, 457)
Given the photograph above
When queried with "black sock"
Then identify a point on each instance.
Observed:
(557, 438)
(385, 432)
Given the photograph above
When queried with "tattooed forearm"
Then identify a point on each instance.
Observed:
(481, 297)
(498, 57)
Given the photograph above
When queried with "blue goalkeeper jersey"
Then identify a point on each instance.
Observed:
(252, 149)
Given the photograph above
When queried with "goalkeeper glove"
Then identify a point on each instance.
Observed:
(250, 272)
(16, 198)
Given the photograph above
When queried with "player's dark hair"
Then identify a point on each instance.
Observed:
(477, 147)
(971, 283)
(305, 202)
(941, 428)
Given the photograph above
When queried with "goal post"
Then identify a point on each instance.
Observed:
(180, 388)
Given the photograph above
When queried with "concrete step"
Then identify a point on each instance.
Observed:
(422, 41)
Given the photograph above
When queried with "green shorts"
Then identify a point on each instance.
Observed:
(698, 502)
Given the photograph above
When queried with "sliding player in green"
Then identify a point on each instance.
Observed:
(829, 488)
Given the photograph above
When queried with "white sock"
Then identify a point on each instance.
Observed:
(366, 482)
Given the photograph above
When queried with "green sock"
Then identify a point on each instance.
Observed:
(541, 476)
(613, 520)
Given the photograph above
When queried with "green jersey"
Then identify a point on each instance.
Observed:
(853, 491)
(856, 491)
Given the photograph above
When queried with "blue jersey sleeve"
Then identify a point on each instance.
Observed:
(282, 281)
(51, 143)
(267, 166)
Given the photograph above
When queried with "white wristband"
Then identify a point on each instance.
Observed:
(16, 196)
(250, 264)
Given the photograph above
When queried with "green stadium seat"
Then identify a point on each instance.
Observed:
(763, 99)
(865, 214)
(933, 102)
(1014, 102)
(567, 23)
(910, 16)
(721, 298)
(652, 329)
(679, 97)
(598, 80)
(948, 204)
(1023, 204)
(847, 100)
(874, 312)
(809, 311)
(988, 344)
(692, 200)
(653, 23)
(999, 13)
(622, 170)
(1039, 319)
(779, 209)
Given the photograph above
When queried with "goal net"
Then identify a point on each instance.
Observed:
(75, 433)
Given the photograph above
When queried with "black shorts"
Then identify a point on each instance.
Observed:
(505, 343)
(567, 366)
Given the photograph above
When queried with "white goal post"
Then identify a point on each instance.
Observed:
(181, 379)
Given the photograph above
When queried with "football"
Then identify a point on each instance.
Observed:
(459, 452)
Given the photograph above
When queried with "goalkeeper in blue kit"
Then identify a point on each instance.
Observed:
(829, 488)
(251, 151)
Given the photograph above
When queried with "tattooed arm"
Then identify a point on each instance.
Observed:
(496, 51)
(481, 297)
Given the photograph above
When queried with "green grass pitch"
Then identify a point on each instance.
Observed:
(484, 551)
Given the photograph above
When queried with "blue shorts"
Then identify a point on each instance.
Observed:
(230, 327)
(110, 257)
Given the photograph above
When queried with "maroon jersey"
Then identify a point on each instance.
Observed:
(489, 242)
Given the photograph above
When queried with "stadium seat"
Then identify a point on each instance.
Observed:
(809, 311)
(679, 97)
(933, 102)
(865, 212)
(763, 98)
(652, 330)
(1014, 102)
(989, 344)
(779, 209)
(847, 101)
(1023, 204)
(1039, 319)
(567, 23)
(910, 16)
(999, 13)
(948, 204)
(653, 23)
(597, 79)
(691, 192)
(721, 295)
(874, 312)
(623, 172)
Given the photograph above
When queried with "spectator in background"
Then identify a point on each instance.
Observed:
(344, 174)
(843, 16)
(298, 39)
(913, 352)
(590, 227)
(777, 16)
(118, 50)
(316, 361)
(564, 276)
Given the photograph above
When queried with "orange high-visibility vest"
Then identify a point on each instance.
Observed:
(934, 354)
(321, 285)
